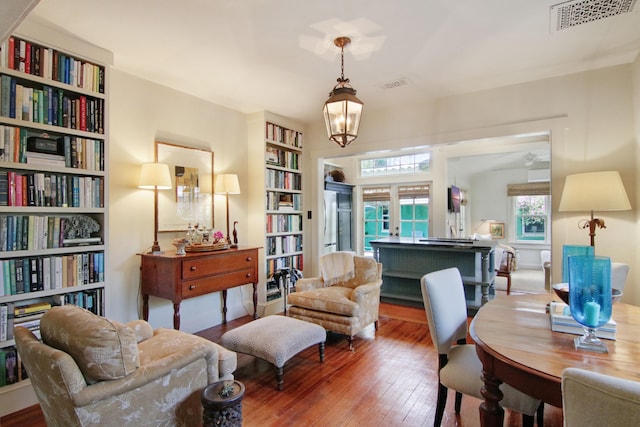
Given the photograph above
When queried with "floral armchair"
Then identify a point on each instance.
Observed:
(93, 371)
(345, 299)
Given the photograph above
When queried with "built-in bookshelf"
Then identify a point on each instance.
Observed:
(281, 232)
(53, 190)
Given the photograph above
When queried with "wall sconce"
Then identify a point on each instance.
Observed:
(594, 191)
(155, 176)
(227, 183)
(342, 111)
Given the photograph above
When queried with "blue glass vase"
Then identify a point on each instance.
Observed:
(590, 297)
(571, 250)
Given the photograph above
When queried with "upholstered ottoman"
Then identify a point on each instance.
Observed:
(275, 339)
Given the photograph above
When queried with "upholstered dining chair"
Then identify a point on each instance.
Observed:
(459, 366)
(594, 399)
(619, 273)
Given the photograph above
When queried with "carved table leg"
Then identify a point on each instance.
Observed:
(491, 413)
(145, 307)
(255, 301)
(321, 350)
(485, 295)
(176, 315)
(224, 306)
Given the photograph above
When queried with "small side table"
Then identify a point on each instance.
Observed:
(224, 411)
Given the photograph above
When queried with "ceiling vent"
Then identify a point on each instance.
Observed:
(577, 12)
(394, 84)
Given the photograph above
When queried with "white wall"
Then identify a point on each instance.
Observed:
(589, 115)
(142, 112)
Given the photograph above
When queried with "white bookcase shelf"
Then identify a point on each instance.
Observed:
(54, 146)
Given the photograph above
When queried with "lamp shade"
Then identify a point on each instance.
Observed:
(227, 183)
(594, 191)
(155, 176)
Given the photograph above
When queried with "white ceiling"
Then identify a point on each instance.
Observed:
(278, 55)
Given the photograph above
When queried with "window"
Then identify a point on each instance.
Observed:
(401, 209)
(405, 164)
(376, 202)
(414, 210)
(531, 211)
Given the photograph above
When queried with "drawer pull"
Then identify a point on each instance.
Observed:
(193, 268)
(248, 275)
(192, 287)
(249, 258)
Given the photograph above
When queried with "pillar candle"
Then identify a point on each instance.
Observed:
(591, 313)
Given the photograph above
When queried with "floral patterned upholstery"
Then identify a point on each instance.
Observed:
(344, 307)
(93, 371)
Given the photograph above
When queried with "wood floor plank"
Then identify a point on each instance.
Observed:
(389, 380)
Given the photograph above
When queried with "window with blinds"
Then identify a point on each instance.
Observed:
(531, 210)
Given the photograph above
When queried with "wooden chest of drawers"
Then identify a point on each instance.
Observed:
(176, 277)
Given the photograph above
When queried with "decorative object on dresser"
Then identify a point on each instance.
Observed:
(343, 110)
(345, 299)
(155, 176)
(594, 191)
(178, 277)
(227, 183)
(87, 365)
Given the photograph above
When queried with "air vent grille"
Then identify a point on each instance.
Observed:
(394, 84)
(572, 13)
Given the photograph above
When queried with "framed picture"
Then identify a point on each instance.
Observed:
(190, 200)
(496, 229)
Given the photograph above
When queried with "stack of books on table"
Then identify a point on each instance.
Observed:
(562, 321)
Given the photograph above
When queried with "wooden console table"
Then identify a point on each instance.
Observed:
(178, 277)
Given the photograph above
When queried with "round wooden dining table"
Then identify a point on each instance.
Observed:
(515, 343)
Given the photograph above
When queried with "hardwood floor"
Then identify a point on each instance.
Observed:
(389, 380)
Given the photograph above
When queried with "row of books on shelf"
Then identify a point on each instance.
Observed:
(278, 245)
(283, 158)
(32, 274)
(31, 58)
(50, 106)
(291, 261)
(283, 135)
(11, 368)
(283, 202)
(37, 232)
(29, 315)
(51, 189)
(562, 321)
(20, 145)
(284, 180)
(26, 315)
(280, 223)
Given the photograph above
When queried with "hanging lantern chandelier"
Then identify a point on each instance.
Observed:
(342, 111)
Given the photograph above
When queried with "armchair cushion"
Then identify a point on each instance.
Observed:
(334, 299)
(103, 349)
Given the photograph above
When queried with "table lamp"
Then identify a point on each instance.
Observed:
(155, 176)
(227, 183)
(594, 191)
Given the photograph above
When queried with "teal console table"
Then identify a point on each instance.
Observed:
(406, 260)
